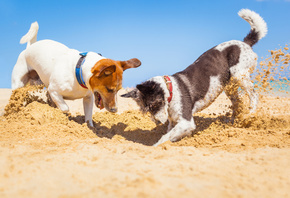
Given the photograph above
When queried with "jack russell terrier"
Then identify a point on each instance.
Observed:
(69, 74)
(175, 98)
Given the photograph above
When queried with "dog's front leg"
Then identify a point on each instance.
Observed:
(58, 100)
(170, 125)
(181, 129)
(88, 103)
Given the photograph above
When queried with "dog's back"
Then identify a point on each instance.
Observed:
(45, 55)
(40, 56)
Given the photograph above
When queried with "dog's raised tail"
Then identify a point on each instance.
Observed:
(258, 26)
(31, 36)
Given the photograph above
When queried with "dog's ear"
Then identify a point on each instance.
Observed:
(103, 70)
(132, 63)
(142, 88)
(130, 94)
(108, 70)
(147, 87)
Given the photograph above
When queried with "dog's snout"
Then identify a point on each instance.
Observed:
(157, 122)
(114, 109)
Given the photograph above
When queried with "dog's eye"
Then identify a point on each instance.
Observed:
(151, 106)
(110, 90)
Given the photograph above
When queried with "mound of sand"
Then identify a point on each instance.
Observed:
(37, 120)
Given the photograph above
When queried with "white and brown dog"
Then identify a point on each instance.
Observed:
(69, 74)
(175, 98)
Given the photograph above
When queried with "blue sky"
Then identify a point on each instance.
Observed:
(166, 36)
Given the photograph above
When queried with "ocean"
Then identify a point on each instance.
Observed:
(275, 88)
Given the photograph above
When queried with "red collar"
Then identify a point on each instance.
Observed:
(169, 87)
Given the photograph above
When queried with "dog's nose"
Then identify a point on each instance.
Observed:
(157, 122)
(114, 110)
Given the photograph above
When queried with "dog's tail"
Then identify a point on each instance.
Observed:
(31, 35)
(258, 26)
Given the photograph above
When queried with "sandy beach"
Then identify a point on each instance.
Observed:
(45, 153)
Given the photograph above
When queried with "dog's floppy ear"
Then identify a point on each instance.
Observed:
(130, 94)
(132, 63)
(103, 70)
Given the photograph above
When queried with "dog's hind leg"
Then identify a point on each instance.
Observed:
(248, 86)
(20, 72)
(233, 93)
(58, 100)
(181, 129)
(240, 75)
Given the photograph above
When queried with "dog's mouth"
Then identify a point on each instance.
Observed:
(98, 100)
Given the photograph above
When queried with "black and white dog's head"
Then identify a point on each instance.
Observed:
(150, 96)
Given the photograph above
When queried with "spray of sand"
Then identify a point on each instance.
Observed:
(274, 68)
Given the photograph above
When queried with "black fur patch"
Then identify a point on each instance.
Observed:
(212, 63)
(151, 98)
(252, 38)
(233, 54)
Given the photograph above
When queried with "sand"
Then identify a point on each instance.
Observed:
(45, 153)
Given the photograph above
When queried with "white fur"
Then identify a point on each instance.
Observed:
(180, 130)
(224, 45)
(256, 21)
(31, 35)
(57, 73)
(175, 106)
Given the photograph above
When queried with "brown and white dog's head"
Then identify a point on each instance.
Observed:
(106, 81)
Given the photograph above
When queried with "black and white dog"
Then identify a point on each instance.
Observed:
(175, 98)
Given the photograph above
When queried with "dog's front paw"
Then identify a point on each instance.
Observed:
(156, 144)
(164, 138)
(90, 123)
(162, 143)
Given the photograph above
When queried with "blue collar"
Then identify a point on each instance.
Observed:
(79, 70)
